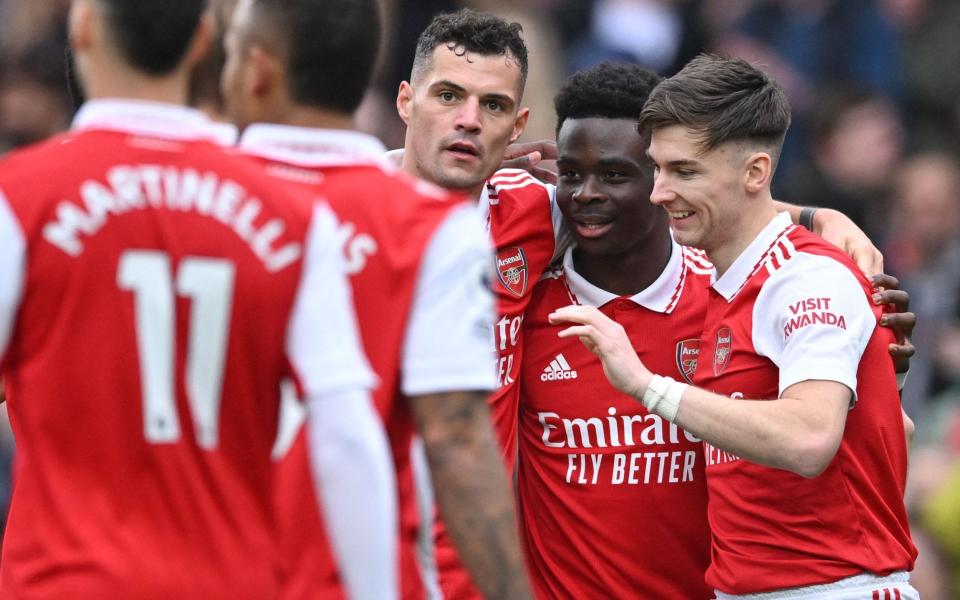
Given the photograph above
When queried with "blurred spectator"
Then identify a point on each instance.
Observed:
(924, 251)
(808, 44)
(855, 146)
(661, 35)
(33, 99)
(931, 53)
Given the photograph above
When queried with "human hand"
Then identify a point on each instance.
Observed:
(607, 340)
(530, 157)
(899, 319)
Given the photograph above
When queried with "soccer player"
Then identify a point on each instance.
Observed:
(593, 465)
(462, 107)
(797, 402)
(154, 293)
(419, 264)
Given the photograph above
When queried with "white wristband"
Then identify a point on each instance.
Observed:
(663, 397)
(901, 380)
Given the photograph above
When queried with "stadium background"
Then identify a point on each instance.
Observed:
(875, 88)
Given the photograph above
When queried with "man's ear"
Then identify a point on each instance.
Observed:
(404, 101)
(203, 39)
(758, 172)
(80, 26)
(520, 124)
(264, 75)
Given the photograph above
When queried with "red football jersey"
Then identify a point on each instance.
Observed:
(418, 264)
(152, 302)
(523, 222)
(767, 328)
(605, 487)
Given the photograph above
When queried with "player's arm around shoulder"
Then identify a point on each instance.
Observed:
(838, 229)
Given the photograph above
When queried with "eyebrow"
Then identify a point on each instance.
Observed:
(446, 83)
(680, 162)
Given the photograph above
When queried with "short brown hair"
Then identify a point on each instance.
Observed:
(724, 99)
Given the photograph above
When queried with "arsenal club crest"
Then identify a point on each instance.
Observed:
(721, 355)
(687, 353)
(512, 270)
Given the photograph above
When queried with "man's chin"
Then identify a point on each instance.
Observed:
(455, 179)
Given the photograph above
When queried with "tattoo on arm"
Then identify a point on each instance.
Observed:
(471, 487)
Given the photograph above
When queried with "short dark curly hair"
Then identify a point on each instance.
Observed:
(471, 31)
(608, 90)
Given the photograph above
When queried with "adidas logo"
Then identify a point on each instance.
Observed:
(558, 369)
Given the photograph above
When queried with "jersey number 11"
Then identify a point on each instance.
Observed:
(208, 283)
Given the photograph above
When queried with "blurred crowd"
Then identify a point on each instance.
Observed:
(875, 91)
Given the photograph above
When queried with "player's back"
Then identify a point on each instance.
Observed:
(158, 276)
(389, 228)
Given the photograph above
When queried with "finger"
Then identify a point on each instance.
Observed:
(546, 148)
(580, 331)
(898, 298)
(899, 320)
(544, 174)
(524, 162)
(885, 281)
(902, 350)
(571, 314)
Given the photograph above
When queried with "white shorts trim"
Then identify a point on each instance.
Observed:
(866, 586)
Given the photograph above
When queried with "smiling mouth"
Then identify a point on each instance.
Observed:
(592, 228)
(680, 215)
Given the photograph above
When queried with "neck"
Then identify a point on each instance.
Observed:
(628, 273)
(120, 81)
(756, 215)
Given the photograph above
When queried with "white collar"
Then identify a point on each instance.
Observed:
(660, 296)
(733, 280)
(311, 147)
(146, 118)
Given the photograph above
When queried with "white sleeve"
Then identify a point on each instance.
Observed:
(323, 343)
(448, 344)
(813, 320)
(562, 238)
(12, 265)
(356, 490)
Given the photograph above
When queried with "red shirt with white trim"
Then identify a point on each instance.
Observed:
(793, 308)
(419, 269)
(154, 292)
(523, 221)
(613, 500)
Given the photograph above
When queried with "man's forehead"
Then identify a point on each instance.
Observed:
(475, 72)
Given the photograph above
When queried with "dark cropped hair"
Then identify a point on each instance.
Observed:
(471, 31)
(153, 35)
(331, 48)
(723, 99)
(608, 90)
